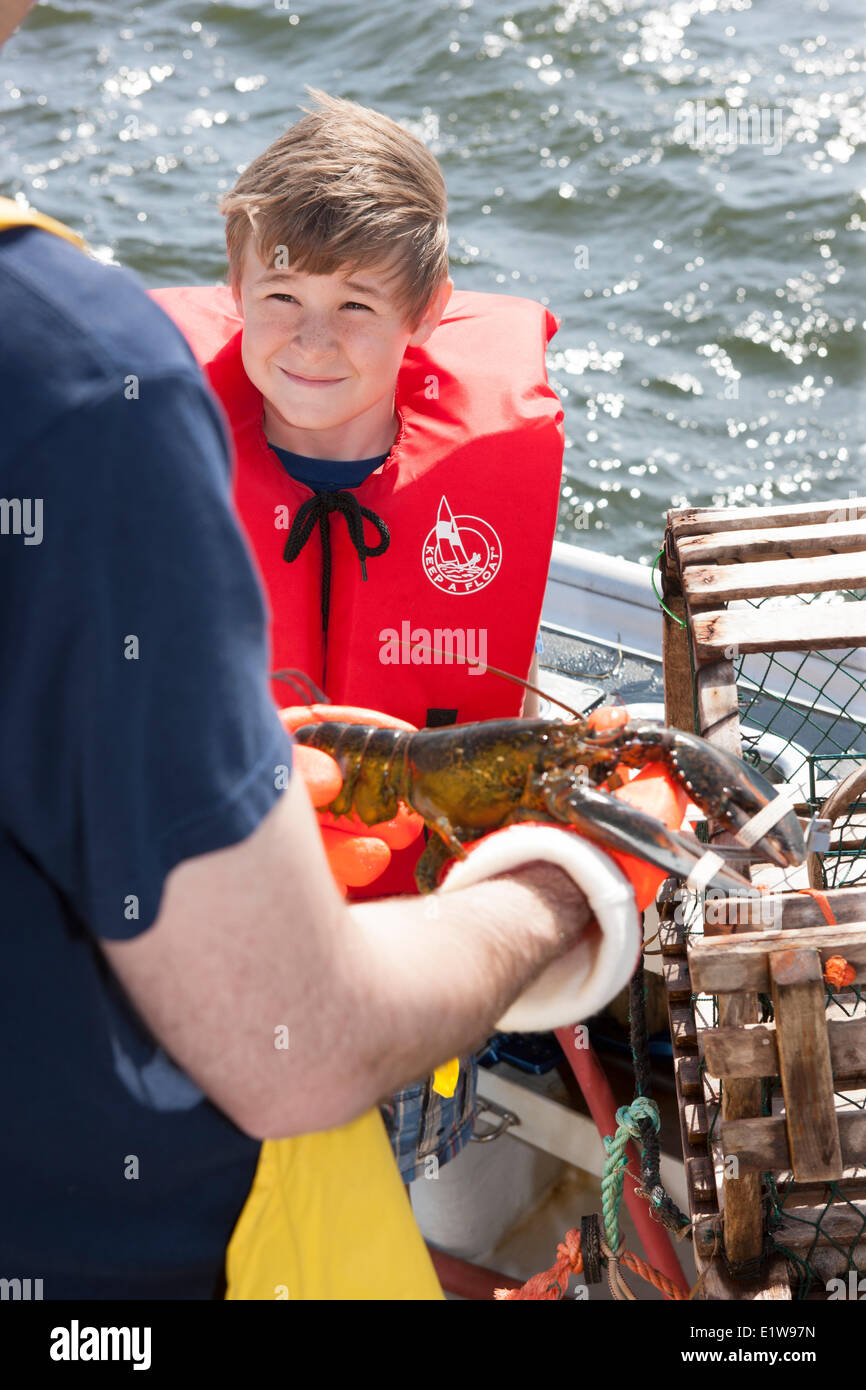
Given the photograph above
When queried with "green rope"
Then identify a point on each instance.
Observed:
(662, 603)
(615, 1164)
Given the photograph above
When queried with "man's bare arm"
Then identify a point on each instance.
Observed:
(253, 947)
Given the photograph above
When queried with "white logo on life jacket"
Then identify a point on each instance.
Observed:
(461, 553)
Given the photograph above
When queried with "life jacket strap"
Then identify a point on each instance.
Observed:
(317, 509)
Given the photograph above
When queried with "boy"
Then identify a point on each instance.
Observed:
(398, 455)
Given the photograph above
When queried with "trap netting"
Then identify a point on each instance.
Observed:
(802, 718)
(818, 1228)
(803, 723)
(787, 669)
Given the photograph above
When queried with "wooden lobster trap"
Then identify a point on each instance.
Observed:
(765, 644)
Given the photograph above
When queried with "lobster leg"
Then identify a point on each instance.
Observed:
(613, 824)
(440, 848)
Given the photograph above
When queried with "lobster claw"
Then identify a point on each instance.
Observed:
(614, 824)
(727, 789)
(732, 792)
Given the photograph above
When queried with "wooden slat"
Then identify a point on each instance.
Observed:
(676, 667)
(723, 964)
(668, 899)
(851, 1186)
(741, 1100)
(687, 1071)
(753, 1052)
(688, 1074)
(671, 938)
(797, 909)
(749, 1051)
(775, 1285)
(761, 1145)
(716, 1285)
(697, 1122)
(777, 542)
(797, 989)
(683, 1030)
(843, 1225)
(806, 575)
(670, 568)
(701, 1181)
(677, 980)
(690, 521)
(799, 628)
(718, 714)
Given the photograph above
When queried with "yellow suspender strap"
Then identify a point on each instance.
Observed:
(11, 215)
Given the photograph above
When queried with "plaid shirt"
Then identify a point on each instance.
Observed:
(422, 1124)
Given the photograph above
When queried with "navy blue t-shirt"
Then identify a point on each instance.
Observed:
(136, 731)
(327, 475)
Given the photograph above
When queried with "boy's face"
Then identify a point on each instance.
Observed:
(325, 350)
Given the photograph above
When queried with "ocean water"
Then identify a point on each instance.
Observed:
(683, 183)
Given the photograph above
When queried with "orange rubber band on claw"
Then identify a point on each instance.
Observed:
(606, 717)
(600, 720)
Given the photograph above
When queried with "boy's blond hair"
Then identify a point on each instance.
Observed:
(343, 188)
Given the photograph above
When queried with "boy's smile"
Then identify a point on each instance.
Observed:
(313, 380)
(325, 350)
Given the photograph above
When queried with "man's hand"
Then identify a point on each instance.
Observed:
(357, 853)
(253, 944)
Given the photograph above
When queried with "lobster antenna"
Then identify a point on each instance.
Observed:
(506, 675)
(297, 680)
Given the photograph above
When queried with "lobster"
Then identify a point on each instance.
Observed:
(467, 780)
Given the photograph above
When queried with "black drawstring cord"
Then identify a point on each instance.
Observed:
(317, 509)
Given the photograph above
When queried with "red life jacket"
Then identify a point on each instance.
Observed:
(469, 493)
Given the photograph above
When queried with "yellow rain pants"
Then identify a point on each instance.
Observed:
(328, 1218)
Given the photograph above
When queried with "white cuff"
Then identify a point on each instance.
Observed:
(601, 963)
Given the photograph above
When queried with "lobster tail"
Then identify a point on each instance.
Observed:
(372, 762)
